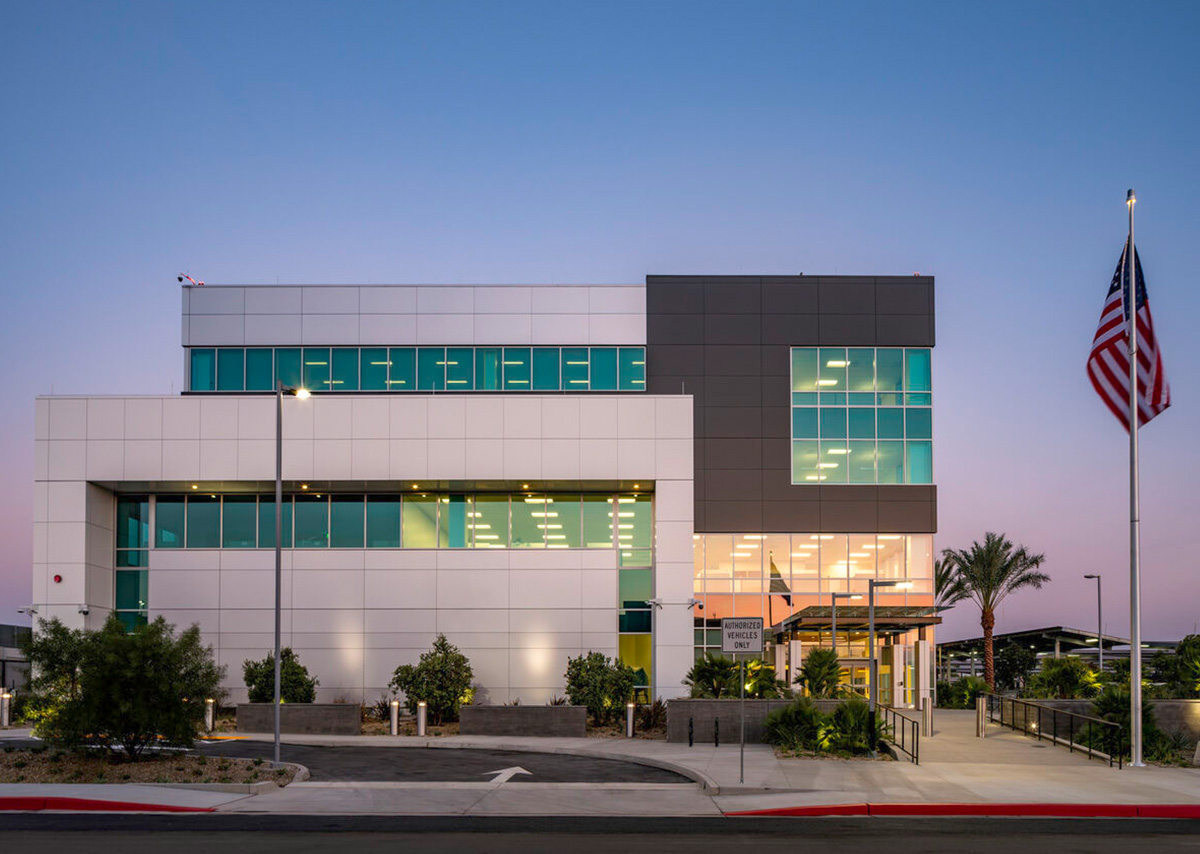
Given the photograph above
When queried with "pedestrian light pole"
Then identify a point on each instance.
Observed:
(301, 394)
(1099, 620)
(833, 613)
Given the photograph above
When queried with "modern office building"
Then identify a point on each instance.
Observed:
(534, 471)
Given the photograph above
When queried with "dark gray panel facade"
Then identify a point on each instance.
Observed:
(726, 340)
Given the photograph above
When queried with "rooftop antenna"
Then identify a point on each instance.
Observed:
(183, 276)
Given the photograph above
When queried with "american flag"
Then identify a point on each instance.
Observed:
(1108, 365)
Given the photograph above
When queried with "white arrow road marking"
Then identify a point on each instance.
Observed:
(506, 774)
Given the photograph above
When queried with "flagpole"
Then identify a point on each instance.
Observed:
(1135, 582)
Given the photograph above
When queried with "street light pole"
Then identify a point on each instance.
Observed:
(1099, 621)
(302, 394)
(833, 613)
(872, 663)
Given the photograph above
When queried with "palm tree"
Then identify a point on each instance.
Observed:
(947, 586)
(987, 573)
(820, 673)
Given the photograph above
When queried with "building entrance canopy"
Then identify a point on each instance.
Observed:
(889, 619)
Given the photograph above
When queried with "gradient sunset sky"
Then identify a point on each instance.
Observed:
(988, 144)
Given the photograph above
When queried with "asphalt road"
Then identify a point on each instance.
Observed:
(304, 834)
(415, 764)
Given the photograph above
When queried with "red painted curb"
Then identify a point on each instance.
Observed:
(988, 809)
(38, 804)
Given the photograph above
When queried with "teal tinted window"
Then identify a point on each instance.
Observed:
(231, 369)
(633, 621)
(528, 521)
(373, 368)
(833, 398)
(431, 368)
(204, 369)
(597, 521)
(287, 366)
(133, 522)
(402, 373)
(133, 619)
(266, 522)
(239, 522)
(920, 462)
(889, 370)
(858, 398)
(860, 462)
(517, 369)
(132, 590)
(832, 466)
(862, 423)
(831, 372)
(545, 368)
(346, 521)
(203, 522)
(383, 521)
(489, 524)
(635, 557)
(805, 456)
(632, 369)
(833, 424)
(805, 398)
(133, 557)
(603, 369)
(804, 369)
(460, 368)
(487, 368)
(345, 369)
(453, 513)
(920, 399)
(919, 423)
(260, 369)
(891, 462)
(635, 525)
(891, 423)
(168, 522)
(311, 514)
(804, 423)
(860, 369)
(562, 520)
(574, 368)
(316, 368)
(916, 370)
(635, 587)
(420, 522)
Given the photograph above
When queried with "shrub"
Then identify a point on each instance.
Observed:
(120, 689)
(602, 685)
(712, 677)
(962, 693)
(295, 685)
(795, 727)
(1114, 704)
(821, 673)
(442, 678)
(1014, 663)
(1064, 679)
(652, 716)
(849, 728)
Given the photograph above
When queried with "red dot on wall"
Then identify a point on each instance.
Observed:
(58, 579)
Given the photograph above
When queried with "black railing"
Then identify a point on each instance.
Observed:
(1090, 735)
(902, 731)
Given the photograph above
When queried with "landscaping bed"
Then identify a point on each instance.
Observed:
(51, 766)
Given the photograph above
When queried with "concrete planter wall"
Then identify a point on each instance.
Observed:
(705, 714)
(1172, 716)
(546, 721)
(318, 718)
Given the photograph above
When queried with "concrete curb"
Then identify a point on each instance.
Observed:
(985, 809)
(41, 804)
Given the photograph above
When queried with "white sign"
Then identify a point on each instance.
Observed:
(742, 634)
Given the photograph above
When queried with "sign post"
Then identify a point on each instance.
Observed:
(742, 636)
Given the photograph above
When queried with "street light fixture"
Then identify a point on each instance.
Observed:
(1099, 620)
(833, 611)
(300, 394)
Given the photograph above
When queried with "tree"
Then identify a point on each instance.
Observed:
(603, 685)
(442, 679)
(1064, 679)
(130, 689)
(947, 586)
(987, 573)
(821, 673)
(1180, 670)
(57, 652)
(1014, 663)
(295, 685)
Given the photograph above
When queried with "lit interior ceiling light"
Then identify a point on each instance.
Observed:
(890, 537)
(556, 536)
(514, 363)
(381, 363)
(815, 477)
(550, 527)
(827, 465)
(627, 501)
(397, 382)
(836, 363)
(825, 536)
(637, 363)
(827, 382)
(195, 486)
(487, 536)
(316, 363)
(524, 486)
(754, 536)
(576, 363)
(452, 382)
(480, 526)
(415, 486)
(872, 547)
(743, 554)
(837, 450)
(517, 382)
(304, 486)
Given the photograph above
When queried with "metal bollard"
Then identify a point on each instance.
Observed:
(210, 715)
(927, 717)
(981, 717)
(691, 732)
(394, 712)
(421, 710)
(716, 732)
(5, 708)
(629, 710)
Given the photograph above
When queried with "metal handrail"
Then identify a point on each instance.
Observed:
(905, 732)
(1114, 738)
